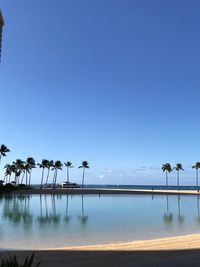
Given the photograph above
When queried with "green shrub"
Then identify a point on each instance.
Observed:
(8, 188)
(12, 262)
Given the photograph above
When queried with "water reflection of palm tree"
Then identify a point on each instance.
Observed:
(17, 210)
(168, 216)
(181, 218)
(83, 218)
(198, 211)
(55, 217)
(67, 217)
(44, 217)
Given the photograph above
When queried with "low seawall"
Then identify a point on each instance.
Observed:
(65, 191)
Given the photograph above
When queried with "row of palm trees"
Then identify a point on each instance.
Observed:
(23, 169)
(167, 168)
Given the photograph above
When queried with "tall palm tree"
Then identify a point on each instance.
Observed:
(1, 30)
(167, 169)
(197, 166)
(27, 169)
(3, 151)
(68, 164)
(57, 166)
(19, 167)
(85, 165)
(8, 173)
(178, 168)
(31, 162)
(13, 170)
(50, 164)
(23, 171)
(42, 165)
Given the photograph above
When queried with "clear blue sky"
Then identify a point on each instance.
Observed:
(113, 82)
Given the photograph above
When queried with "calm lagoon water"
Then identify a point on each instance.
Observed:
(47, 221)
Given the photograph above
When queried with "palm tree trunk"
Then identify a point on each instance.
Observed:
(197, 179)
(68, 174)
(22, 178)
(83, 177)
(178, 180)
(42, 178)
(47, 176)
(53, 181)
(166, 180)
(26, 177)
(30, 174)
(55, 178)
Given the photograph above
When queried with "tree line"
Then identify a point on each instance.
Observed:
(167, 168)
(22, 170)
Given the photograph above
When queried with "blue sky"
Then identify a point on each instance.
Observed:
(109, 81)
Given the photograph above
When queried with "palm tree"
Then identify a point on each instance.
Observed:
(50, 164)
(13, 170)
(42, 165)
(178, 168)
(3, 148)
(1, 30)
(197, 166)
(31, 162)
(8, 173)
(68, 164)
(57, 166)
(23, 170)
(85, 165)
(167, 169)
(27, 169)
(19, 167)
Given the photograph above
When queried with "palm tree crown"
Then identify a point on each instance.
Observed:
(179, 167)
(85, 164)
(68, 164)
(167, 167)
(3, 151)
(196, 166)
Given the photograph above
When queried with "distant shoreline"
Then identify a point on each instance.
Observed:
(101, 191)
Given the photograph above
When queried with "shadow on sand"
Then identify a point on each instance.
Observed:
(181, 258)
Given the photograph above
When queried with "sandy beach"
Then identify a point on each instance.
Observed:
(168, 243)
(167, 252)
